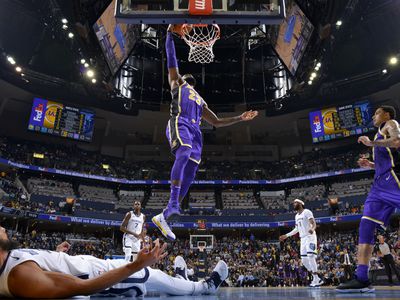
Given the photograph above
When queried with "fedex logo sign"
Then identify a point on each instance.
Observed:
(317, 124)
(38, 113)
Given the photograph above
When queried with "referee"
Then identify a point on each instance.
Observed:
(387, 258)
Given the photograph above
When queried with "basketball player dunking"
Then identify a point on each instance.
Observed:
(384, 196)
(31, 273)
(132, 227)
(305, 226)
(184, 135)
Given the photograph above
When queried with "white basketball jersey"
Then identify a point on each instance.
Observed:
(83, 266)
(135, 224)
(303, 223)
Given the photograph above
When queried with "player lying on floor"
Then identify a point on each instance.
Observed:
(31, 273)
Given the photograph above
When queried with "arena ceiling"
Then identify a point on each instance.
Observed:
(352, 55)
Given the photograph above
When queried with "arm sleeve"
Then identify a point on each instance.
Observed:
(170, 50)
(293, 232)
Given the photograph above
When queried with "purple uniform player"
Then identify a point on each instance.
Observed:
(184, 135)
(384, 196)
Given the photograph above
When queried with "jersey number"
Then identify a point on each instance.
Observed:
(194, 96)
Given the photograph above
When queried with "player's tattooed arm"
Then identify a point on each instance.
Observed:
(214, 120)
(393, 130)
(394, 134)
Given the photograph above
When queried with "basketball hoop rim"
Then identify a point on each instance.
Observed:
(208, 43)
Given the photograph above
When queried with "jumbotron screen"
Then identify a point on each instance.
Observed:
(341, 121)
(60, 120)
(293, 36)
(116, 39)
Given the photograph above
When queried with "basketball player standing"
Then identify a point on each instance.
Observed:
(384, 196)
(132, 227)
(305, 226)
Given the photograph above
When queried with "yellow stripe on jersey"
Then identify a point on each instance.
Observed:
(169, 131)
(373, 148)
(196, 161)
(395, 177)
(177, 118)
(373, 220)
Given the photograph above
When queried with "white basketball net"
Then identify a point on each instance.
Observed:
(201, 40)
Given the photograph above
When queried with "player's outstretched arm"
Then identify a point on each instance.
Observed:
(289, 234)
(392, 128)
(364, 163)
(37, 283)
(212, 118)
(174, 78)
(63, 247)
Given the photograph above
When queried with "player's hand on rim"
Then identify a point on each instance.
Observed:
(248, 115)
(150, 255)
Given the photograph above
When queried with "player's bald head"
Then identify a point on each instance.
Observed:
(189, 79)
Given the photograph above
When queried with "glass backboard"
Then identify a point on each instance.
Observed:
(234, 12)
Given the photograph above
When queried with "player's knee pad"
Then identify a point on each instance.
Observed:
(367, 232)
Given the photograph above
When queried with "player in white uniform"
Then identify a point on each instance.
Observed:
(30, 273)
(132, 227)
(305, 226)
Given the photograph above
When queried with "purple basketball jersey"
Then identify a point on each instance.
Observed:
(384, 196)
(183, 127)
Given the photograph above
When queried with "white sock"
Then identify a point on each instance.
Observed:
(163, 283)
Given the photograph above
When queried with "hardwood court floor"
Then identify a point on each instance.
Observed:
(287, 293)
